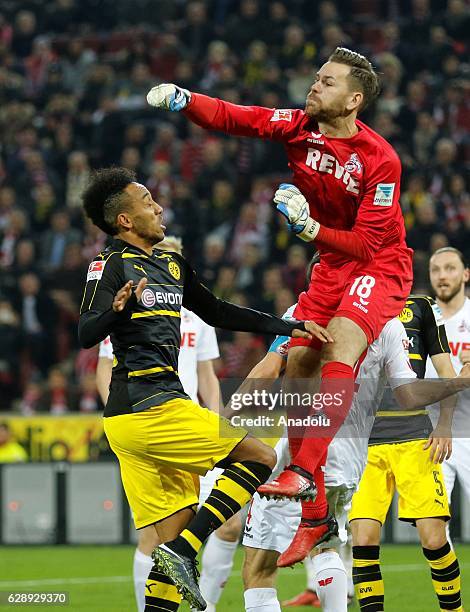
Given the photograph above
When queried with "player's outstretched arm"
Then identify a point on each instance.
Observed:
(215, 114)
(219, 313)
(420, 393)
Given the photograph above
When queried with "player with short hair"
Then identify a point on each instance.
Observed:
(345, 199)
(449, 274)
(162, 439)
(399, 460)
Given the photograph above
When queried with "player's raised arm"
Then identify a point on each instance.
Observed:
(215, 114)
(219, 313)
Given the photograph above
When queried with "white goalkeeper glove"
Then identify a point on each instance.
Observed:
(291, 203)
(169, 97)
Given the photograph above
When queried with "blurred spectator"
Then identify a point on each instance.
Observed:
(241, 355)
(24, 32)
(88, 400)
(10, 334)
(58, 397)
(271, 284)
(38, 319)
(77, 179)
(56, 240)
(15, 229)
(213, 258)
(294, 271)
(419, 236)
(10, 450)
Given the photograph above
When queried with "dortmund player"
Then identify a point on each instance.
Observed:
(398, 459)
(161, 438)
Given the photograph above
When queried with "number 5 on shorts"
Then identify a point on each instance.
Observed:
(362, 286)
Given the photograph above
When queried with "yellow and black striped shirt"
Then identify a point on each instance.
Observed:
(146, 334)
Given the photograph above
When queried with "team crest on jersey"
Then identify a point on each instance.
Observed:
(353, 165)
(174, 269)
(95, 270)
(148, 298)
(282, 114)
(406, 315)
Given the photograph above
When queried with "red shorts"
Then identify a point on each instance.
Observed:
(370, 294)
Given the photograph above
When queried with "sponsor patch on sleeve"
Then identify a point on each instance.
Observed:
(282, 114)
(384, 194)
(437, 314)
(95, 270)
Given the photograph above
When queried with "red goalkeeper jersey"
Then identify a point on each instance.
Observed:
(351, 184)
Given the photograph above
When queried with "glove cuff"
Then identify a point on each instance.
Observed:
(310, 231)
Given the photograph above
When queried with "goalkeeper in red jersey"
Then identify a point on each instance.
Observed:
(345, 199)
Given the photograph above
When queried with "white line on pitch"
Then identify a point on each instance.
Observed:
(412, 567)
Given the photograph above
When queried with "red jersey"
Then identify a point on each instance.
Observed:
(351, 184)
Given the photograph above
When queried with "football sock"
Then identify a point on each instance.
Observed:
(232, 490)
(216, 565)
(160, 593)
(336, 378)
(310, 571)
(345, 552)
(264, 600)
(445, 574)
(367, 578)
(331, 582)
(141, 569)
(317, 509)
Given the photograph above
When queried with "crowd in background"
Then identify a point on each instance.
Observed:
(73, 80)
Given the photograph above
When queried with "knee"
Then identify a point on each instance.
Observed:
(148, 540)
(269, 456)
(230, 531)
(252, 449)
(366, 539)
(433, 540)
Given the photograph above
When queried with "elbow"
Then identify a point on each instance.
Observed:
(85, 340)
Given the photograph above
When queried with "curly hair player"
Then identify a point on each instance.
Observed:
(161, 438)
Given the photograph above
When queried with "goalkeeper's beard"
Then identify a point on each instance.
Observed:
(326, 115)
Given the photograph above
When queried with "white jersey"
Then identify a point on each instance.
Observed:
(458, 335)
(198, 343)
(106, 348)
(271, 524)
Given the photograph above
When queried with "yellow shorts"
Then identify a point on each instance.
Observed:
(160, 450)
(408, 468)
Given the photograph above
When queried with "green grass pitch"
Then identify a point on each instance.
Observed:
(98, 579)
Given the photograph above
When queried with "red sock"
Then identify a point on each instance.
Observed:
(319, 508)
(336, 378)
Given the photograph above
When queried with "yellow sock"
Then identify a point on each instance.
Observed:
(445, 574)
(160, 593)
(367, 578)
